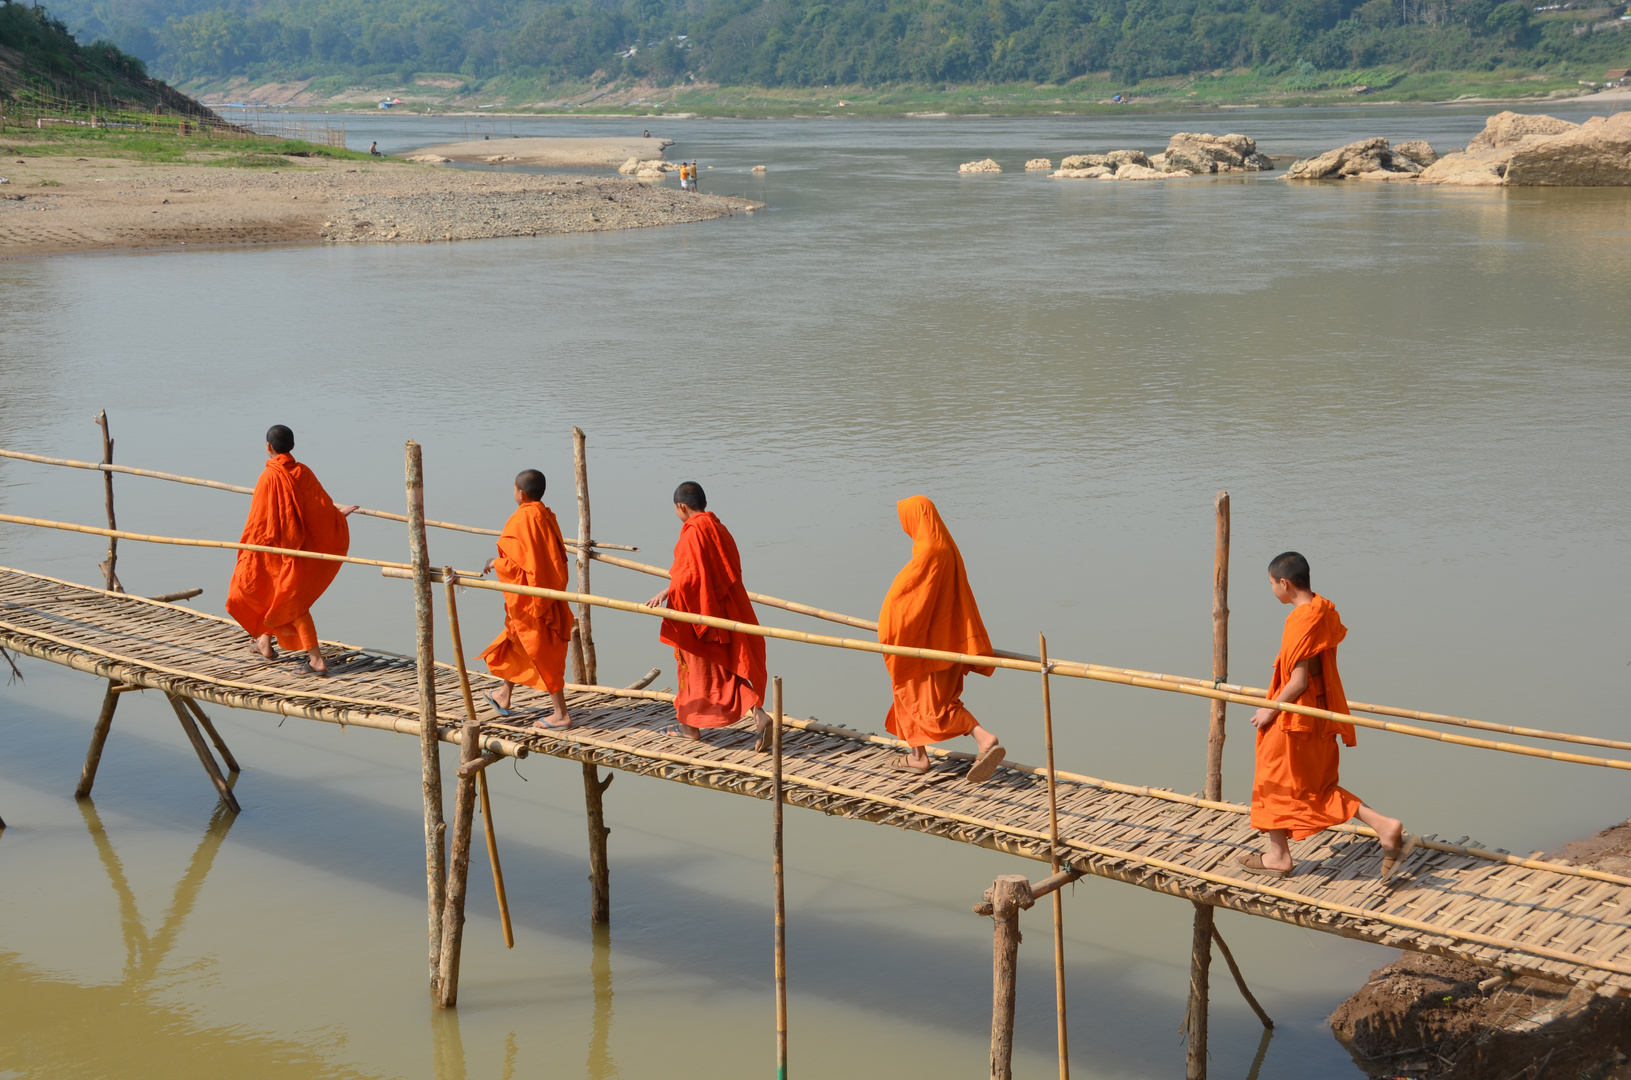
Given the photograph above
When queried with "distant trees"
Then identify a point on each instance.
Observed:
(822, 42)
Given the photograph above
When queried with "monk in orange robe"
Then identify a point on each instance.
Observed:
(721, 673)
(532, 648)
(1295, 793)
(930, 606)
(273, 594)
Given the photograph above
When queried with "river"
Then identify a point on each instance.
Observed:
(1425, 390)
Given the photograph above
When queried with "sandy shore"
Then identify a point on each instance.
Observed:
(54, 205)
(551, 152)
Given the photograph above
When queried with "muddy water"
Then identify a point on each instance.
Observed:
(1426, 391)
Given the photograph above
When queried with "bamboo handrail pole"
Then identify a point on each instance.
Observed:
(776, 861)
(757, 598)
(1077, 671)
(109, 467)
(492, 857)
(1053, 851)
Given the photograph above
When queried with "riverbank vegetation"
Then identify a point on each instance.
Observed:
(942, 55)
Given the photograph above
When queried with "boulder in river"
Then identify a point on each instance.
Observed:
(1132, 170)
(1541, 151)
(1417, 150)
(1117, 158)
(1093, 172)
(1038, 164)
(1197, 152)
(1083, 161)
(987, 165)
(1367, 159)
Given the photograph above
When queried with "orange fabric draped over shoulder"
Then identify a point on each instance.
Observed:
(531, 650)
(721, 673)
(930, 606)
(273, 594)
(1295, 786)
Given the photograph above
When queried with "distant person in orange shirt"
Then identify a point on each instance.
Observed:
(930, 606)
(532, 648)
(272, 595)
(1294, 790)
(721, 672)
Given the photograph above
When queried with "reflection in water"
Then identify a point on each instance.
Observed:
(144, 953)
(1262, 1052)
(135, 1032)
(448, 1044)
(601, 1065)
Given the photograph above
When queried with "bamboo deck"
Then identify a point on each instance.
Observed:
(1150, 839)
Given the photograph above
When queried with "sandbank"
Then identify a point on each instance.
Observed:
(562, 152)
(55, 205)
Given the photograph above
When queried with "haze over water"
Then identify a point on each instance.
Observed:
(1426, 391)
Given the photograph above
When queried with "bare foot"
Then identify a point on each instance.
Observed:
(761, 730)
(556, 720)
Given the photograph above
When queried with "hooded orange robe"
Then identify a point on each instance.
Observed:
(532, 648)
(273, 594)
(1295, 786)
(721, 673)
(930, 606)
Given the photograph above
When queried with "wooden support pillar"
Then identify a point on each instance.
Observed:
(584, 638)
(464, 808)
(99, 738)
(108, 567)
(1200, 950)
(429, 745)
(215, 736)
(777, 872)
(1008, 896)
(204, 756)
(600, 873)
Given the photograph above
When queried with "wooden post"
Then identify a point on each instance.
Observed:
(583, 671)
(215, 736)
(429, 746)
(1200, 947)
(1240, 980)
(99, 738)
(1053, 853)
(204, 756)
(464, 809)
(776, 865)
(108, 567)
(1007, 897)
(492, 858)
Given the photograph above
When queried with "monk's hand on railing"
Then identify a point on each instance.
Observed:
(347, 511)
(660, 600)
(487, 567)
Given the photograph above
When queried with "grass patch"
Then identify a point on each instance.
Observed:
(250, 161)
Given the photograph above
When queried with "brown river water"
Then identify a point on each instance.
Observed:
(1426, 391)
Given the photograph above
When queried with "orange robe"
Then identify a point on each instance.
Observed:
(273, 594)
(930, 606)
(532, 648)
(721, 673)
(1295, 786)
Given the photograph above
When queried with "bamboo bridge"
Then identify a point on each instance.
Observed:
(1517, 916)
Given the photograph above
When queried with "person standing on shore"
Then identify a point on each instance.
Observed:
(694, 179)
(531, 649)
(1294, 789)
(930, 606)
(721, 672)
(273, 594)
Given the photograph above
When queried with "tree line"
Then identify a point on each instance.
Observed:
(799, 43)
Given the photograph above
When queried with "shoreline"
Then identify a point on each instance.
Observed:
(55, 204)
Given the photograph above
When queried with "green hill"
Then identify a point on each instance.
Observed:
(39, 58)
(519, 47)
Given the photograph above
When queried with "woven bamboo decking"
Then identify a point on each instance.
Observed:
(1482, 909)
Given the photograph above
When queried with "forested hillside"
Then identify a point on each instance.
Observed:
(38, 55)
(793, 43)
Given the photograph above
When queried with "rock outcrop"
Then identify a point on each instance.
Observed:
(1091, 173)
(757, 168)
(1038, 164)
(1134, 171)
(1194, 152)
(1083, 161)
(1417, 150)
(1367, 159)
(652, 167)
(984, 166)
(1541, 151)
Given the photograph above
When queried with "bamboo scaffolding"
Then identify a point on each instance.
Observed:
(1058, 667)
(108, 467)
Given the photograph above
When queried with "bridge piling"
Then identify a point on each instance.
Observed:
(99, 739)
(464, 806)
(1200, 953)
(584, 673)
(1008, 896)
(430, 761)
(204, 756)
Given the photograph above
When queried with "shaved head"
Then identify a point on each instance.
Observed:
(531, 483)
(690, 494)
(280, 438)
(1291, 566)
